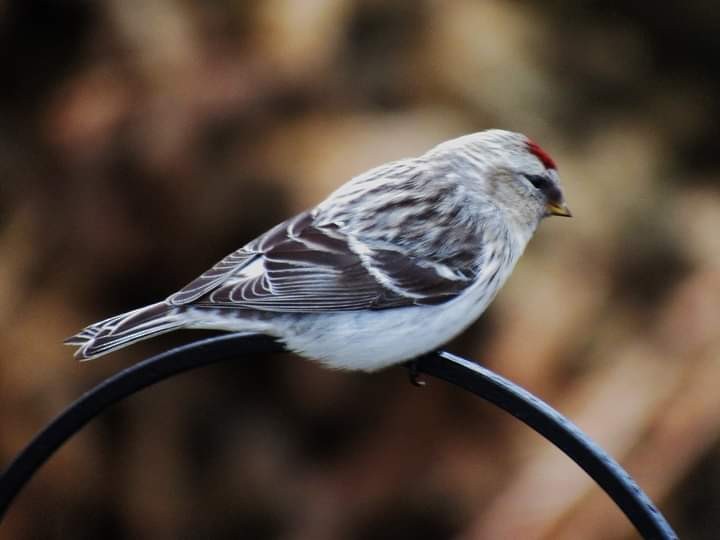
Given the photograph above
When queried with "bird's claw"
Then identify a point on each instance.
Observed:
(414, 374)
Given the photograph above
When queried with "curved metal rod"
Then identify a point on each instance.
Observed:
(557, 429)
(648, 521)
(114, 389)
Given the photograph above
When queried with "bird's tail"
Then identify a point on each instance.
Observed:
(123, 330)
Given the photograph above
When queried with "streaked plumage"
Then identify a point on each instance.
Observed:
(391, 265)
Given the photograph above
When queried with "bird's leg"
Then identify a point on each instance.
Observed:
(414, 373)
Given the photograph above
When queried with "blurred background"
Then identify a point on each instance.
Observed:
(142, 140)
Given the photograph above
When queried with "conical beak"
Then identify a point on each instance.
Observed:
(558, 209)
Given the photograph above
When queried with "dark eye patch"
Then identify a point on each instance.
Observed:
(546, 186)
(538, 181)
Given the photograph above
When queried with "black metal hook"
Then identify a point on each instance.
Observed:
(538, 415)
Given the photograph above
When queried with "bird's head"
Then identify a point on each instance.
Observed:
(519, 176)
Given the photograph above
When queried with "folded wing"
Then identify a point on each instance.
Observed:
(301, 267)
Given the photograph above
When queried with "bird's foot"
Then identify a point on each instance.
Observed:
(414, 374)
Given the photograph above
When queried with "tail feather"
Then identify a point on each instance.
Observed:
(122, 330)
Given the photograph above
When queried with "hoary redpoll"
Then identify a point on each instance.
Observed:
(392, 265)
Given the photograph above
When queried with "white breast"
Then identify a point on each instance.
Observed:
(371, 340)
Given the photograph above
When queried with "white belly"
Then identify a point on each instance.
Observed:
(371, 340)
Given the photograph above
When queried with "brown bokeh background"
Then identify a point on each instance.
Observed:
(141, 140)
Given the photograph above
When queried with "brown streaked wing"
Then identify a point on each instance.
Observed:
(418, 278)
(212, 278)
(314, 270)
(236, 261)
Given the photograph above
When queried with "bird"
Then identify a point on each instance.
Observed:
(390, 266)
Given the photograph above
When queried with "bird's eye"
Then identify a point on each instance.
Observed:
(537, 180)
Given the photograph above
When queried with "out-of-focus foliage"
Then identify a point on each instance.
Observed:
(141, 140)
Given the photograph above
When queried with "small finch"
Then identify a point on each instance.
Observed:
(392, 265)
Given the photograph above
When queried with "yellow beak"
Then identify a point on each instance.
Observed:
(558, 209)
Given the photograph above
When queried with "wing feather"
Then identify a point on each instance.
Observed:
(234, 263)
(213, 278)
(311, 263)
(308, 268)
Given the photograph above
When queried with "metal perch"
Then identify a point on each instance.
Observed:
(606, 472)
